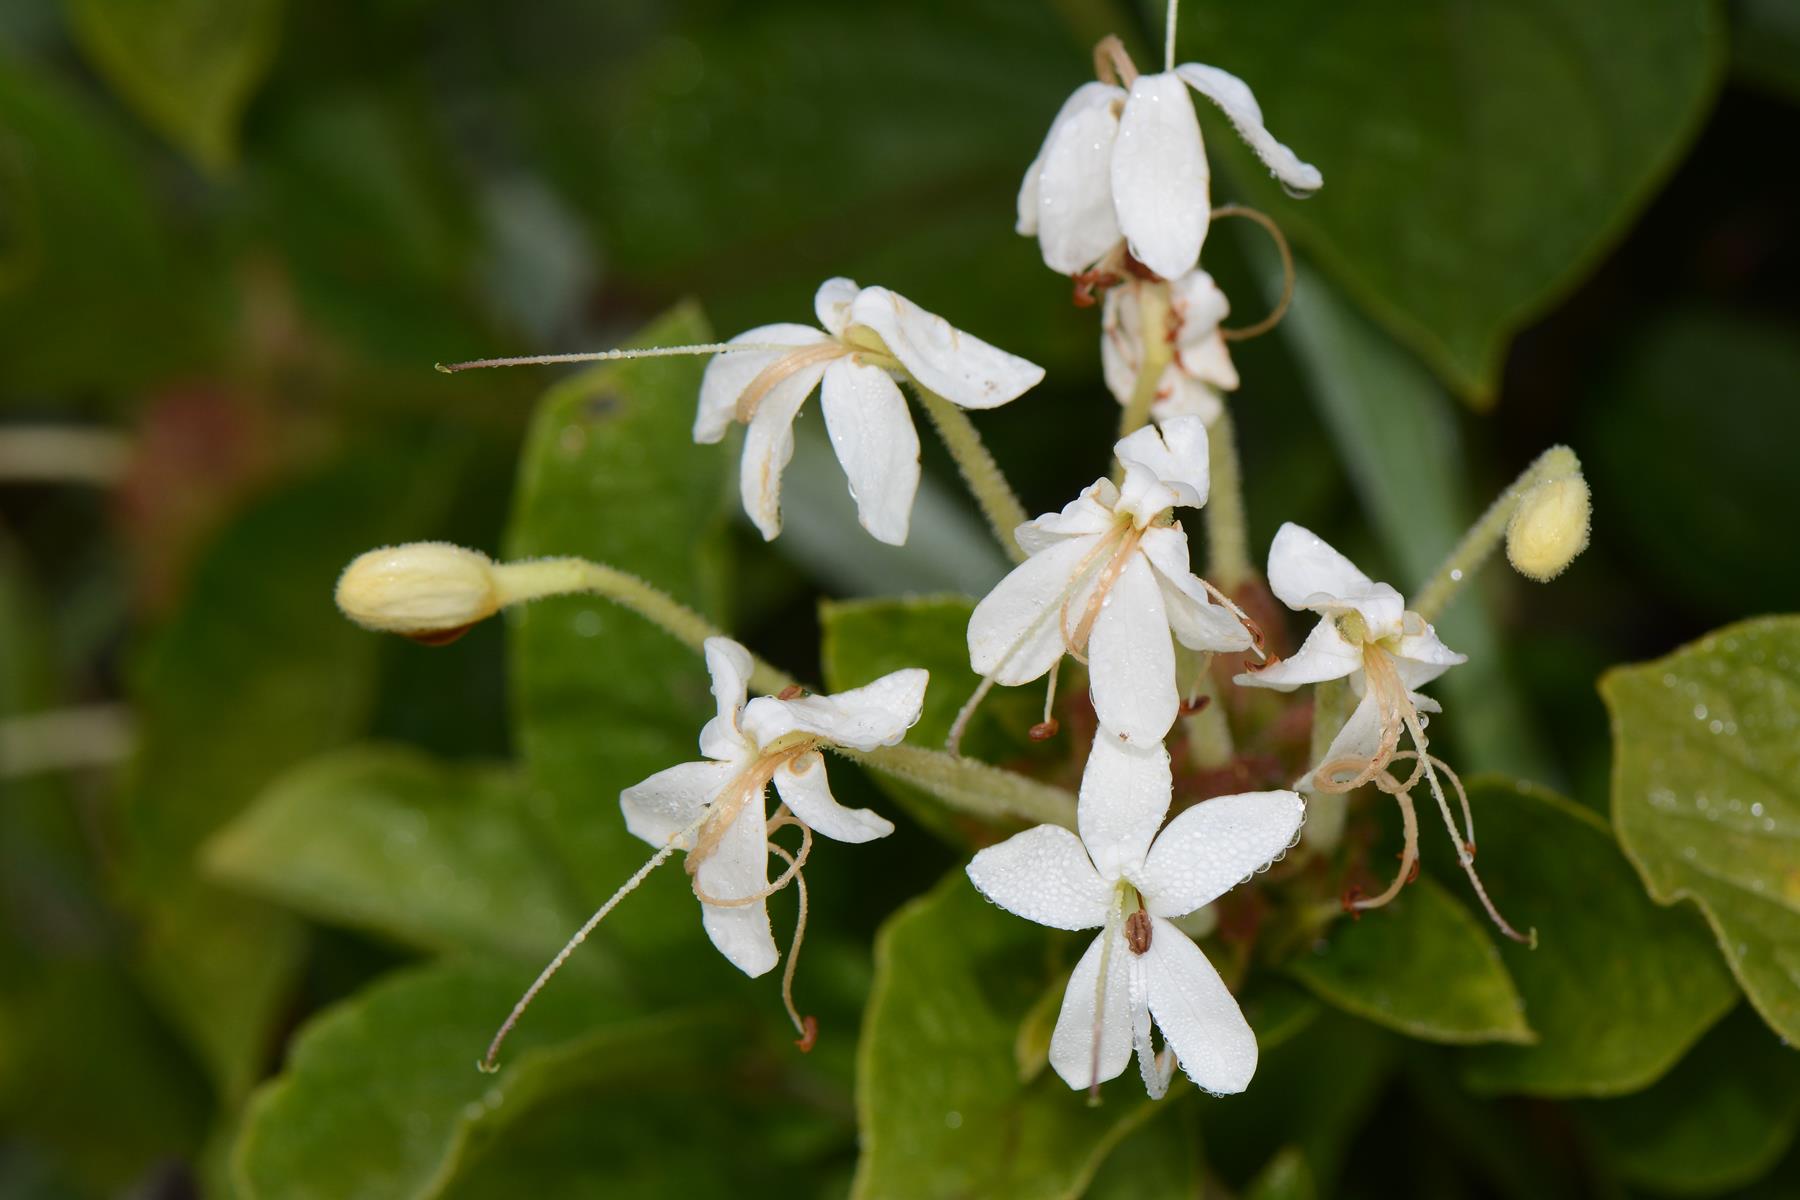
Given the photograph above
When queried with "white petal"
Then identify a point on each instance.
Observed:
(1172, 456)
(873, 434)
(1305, 572)
(1043, 875)
(729, 373)
(1183, 396)
(1196, 620)
(1156, 1074)
(1124, 796)
(739, 866)
(663, 806)
(1089, 513)
(1323, 655)
(1357, 740)
(1421, 658)
(831, 304)
(1197, 1014)
(877, 714)
(1215, 845)
(1160, 180)
(1233, 96)
(807, 793)
(1131, 658)
(1072, 1043)
(1016, 632)
(730, 666)
(1120, 350)
(958, 366)
(1199, 305)
(1075, 220)
(769, 444)
(1028, 199)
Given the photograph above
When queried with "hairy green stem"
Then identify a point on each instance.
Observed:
(1210, 745)
(1227, 535)
(1325, 811)
(986, 481)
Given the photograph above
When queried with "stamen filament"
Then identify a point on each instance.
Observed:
(1409, 855)
(544, 360)
(807, 1027)
(782, 369)
(1169, 37)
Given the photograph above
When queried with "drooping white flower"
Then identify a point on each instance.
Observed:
(714, 809)
(1200, 370)
(1121, 876)
(1130, 164)
(870, 339)
(1109, 577)
(1365, 634)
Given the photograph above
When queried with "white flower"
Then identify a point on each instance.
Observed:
(1367, 635)
(1130, 164)
(1201, 369)
(1124, 878)
(714, 809)
(1109, 577)
(871, 338)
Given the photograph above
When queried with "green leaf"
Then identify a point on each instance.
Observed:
(1287, 1177)
(1160, 1158)
(381, 1096)
(610, 472)
(386, 839)
(1422, 966)
(1706, 795)
(940, 1104)
(1617, 988)
(1721, 1119)
(1477, 160)
(187, 66)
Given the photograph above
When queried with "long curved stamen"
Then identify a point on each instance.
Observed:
(795, 863)
(1348, 773)
(779, 370)
(544, 360)
(1409, 855)
(1077, 641)
(808, 1026)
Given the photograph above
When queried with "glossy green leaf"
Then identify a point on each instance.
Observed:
(604, 699)
(1160, 1158)
(384, 838)
(939, 1101)
(381, 1096)
(1720, 1119)
(1477, 161)
(1617, 989)
(1287, 1177)
(1422, 966)
(1706, 795)
(187, 66)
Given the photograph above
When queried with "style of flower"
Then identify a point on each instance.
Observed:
(1200, 370)
(1128, 162)
(1124, 878)
(1108, 579)
(715, 809)
(870, 339)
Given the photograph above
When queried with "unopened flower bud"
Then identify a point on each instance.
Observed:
(1549, 528)
(428, 591)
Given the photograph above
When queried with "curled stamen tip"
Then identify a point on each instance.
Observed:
(488, 1066)
(1190, 707)
(1352, 902)
(809, 1035)
(1469, 849)
(1043, 731)
(441, 369)
(1531, 938)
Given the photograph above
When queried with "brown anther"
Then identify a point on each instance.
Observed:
(1470, 848)
(439, 637)
(1088, 285)
(1412, 876)
(1137, 932)
(1265, 664)
(810, 1038)
(1137, 269)
(792, 691)
(1352, 895)
(1190, 707)
(1043, 731)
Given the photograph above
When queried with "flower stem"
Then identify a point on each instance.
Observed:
(1227, 536)
(986, 481)
(1153, 328)
(1558, 462)
(1325, 811)
(1210, 745)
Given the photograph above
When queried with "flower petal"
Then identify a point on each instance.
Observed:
(831, 304)
(1196, 620)
(730, 372)
(1120, 349)
(1089, 513)
(1164, 460)
(958, 366)
(1075, 223)
(1181, 395)
(1306, 573)
(806, 791)
(1072, 1044)
(1214, 846)
(1155, 1073)
(1016, 632)
(739, 866)
(1131, 658)
(769, 444)
(876, 714)
(1323, 655)
(1421, 658)
(665, 805)
(1196, 1012)
(1124, 796)
(1160, 180)
(1357, 740)
(873, 434)
(1234, 98)
(1043, 875)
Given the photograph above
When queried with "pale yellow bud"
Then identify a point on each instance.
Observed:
(428, 591)
(1549, 528)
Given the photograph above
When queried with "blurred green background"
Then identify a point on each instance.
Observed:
(236, 234)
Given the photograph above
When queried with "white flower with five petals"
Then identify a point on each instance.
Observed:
(1200, 370)
(1109, 577)
(1121, 876)
(1130, 164)
(715, 809)
(870, 338)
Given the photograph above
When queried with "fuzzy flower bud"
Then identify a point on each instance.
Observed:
(428, 591)
(1549, 528)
